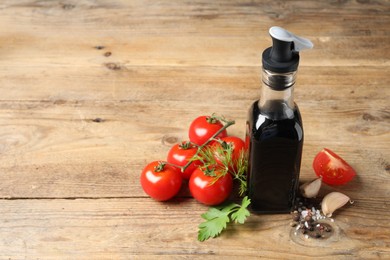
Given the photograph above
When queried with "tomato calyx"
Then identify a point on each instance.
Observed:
(210, 172)
(214, 172)
(187, 145)
(214, 119)
(226, 146)
(160, 167)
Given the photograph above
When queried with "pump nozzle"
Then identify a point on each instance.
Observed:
(283, 56)
(284, 35)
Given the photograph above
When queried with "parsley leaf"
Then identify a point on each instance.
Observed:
(218, 218)
(216, 222)
(242, 213)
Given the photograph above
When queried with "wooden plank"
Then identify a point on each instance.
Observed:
(92, 149)
(115, 228)
(235, 35)
(206, 84)
(129, 50)
(199, 18)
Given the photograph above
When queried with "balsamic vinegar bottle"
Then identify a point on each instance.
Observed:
(274, 128)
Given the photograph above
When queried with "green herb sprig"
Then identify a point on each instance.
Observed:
(217, 218)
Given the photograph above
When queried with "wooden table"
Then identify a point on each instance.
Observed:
(93, 90)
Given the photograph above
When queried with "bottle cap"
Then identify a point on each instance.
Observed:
(283, 56)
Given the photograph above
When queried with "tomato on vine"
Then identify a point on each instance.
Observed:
(181, 154)
(161, 181)
(210, 187)
(204, 127)
(207, 167)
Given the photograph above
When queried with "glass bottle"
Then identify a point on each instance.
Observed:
(274, 130)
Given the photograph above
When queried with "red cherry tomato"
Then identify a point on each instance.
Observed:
(209, 190)
(181, 154)
(235, 144)
(161, 182)
(332, 168)
(203, 128)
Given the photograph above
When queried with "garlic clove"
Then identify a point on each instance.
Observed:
(310, 189)
(332, 202)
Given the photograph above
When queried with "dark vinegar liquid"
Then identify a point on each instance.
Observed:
(275, 149)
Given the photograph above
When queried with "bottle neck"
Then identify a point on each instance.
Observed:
(277, 95)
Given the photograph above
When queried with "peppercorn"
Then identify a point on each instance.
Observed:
(293, 223)
(295, 215)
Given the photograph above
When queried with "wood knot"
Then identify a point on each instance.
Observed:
(169, 140)
(107, 54)
(59, 102)
(369, 117)
(98, 120)
(206, 16)
(68, 6)
(99, 47)
(113, 66)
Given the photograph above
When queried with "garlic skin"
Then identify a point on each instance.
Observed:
(332, 202)
(310, 189)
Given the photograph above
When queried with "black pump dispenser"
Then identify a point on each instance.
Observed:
(283, 56)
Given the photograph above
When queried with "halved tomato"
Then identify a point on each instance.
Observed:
(332, 168)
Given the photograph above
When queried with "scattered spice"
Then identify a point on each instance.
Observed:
(310, 214)
(307, 219)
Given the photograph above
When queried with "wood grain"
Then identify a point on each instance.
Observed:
(92, 90)
(115, 228)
